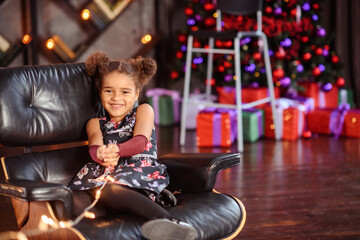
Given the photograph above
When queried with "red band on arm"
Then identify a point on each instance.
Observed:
(93, 153)
(133, 146)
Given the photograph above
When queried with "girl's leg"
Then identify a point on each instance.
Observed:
(118, 197)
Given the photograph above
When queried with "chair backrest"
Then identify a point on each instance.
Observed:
(46, 104)
(239, 7)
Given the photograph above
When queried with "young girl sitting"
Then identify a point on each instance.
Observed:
(123, 147)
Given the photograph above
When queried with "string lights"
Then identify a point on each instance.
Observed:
(47, 224)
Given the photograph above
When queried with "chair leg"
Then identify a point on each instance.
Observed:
(271, 86)
(186, 89)
(240, 140)
(209, 70)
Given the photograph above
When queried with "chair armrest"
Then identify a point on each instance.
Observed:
(27, 190)
(196, 172)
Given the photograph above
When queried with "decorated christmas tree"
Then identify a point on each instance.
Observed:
(300, 48)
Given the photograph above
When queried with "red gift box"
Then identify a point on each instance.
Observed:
(292, 118)
(319, 121)
(227, 94)
(322, 99)
(352, 123)
(215, 128)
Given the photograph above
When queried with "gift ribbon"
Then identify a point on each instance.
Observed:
(233, 125)
(217, 129)
(155, 93)
(337, 118)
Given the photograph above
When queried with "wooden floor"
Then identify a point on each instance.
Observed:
(304, 189)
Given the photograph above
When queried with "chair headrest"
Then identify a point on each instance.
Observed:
(45, 104)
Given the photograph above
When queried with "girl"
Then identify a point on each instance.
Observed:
(123, 147)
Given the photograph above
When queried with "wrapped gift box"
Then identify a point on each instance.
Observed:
(166, 105)
(352, 123)
(215, 127)
(253, 124)
(227, 94)
(197, 104)
(346, 95)
(307, 102)
(292, 118)
(321, 98)
(335, 121)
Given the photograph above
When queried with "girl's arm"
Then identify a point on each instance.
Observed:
(97, 149)
(144, 121)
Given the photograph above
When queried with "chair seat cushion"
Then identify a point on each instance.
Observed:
(216, 216)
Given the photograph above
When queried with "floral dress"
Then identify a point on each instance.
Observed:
(141, 171)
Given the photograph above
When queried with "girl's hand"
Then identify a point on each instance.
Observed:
(100, 154)
(111, 156)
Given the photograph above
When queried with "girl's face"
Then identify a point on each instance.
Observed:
(118, 95)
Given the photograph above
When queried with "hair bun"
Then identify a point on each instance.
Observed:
(95, 62)
(148, 67)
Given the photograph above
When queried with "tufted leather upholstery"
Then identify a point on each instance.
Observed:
(43, 105)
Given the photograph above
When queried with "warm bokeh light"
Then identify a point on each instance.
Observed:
(26, 39)
(90, 215)
(85, 14)
(50, 43)
(146, 39)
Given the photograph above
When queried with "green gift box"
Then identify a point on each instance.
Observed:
(253, 124)
(166, 105)
(346, 95)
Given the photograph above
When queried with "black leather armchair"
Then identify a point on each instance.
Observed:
(47, 107)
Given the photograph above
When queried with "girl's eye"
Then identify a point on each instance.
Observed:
(125, 92)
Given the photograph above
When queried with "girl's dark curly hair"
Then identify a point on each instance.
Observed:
(140, 69)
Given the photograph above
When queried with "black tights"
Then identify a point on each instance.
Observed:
(117, 197)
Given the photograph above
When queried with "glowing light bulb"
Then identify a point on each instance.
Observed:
(50, 43)
(98, 192)
(146, 39)
(90, 215)
(26, 39)
(85, 14)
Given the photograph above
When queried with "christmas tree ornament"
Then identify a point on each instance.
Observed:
(316, 72)
(179, 54)
(188, 11)
(325, 52)
(268, 10)
(307, 56)
(305, 39)
(285, 82)
(335, 59)
(321, 32)
(174, 74)
(278, 73)
(326, 87)
(319, 51)
(300, 68)
(277, 10)
(306, 7)
(340, 82)
(321, 67)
